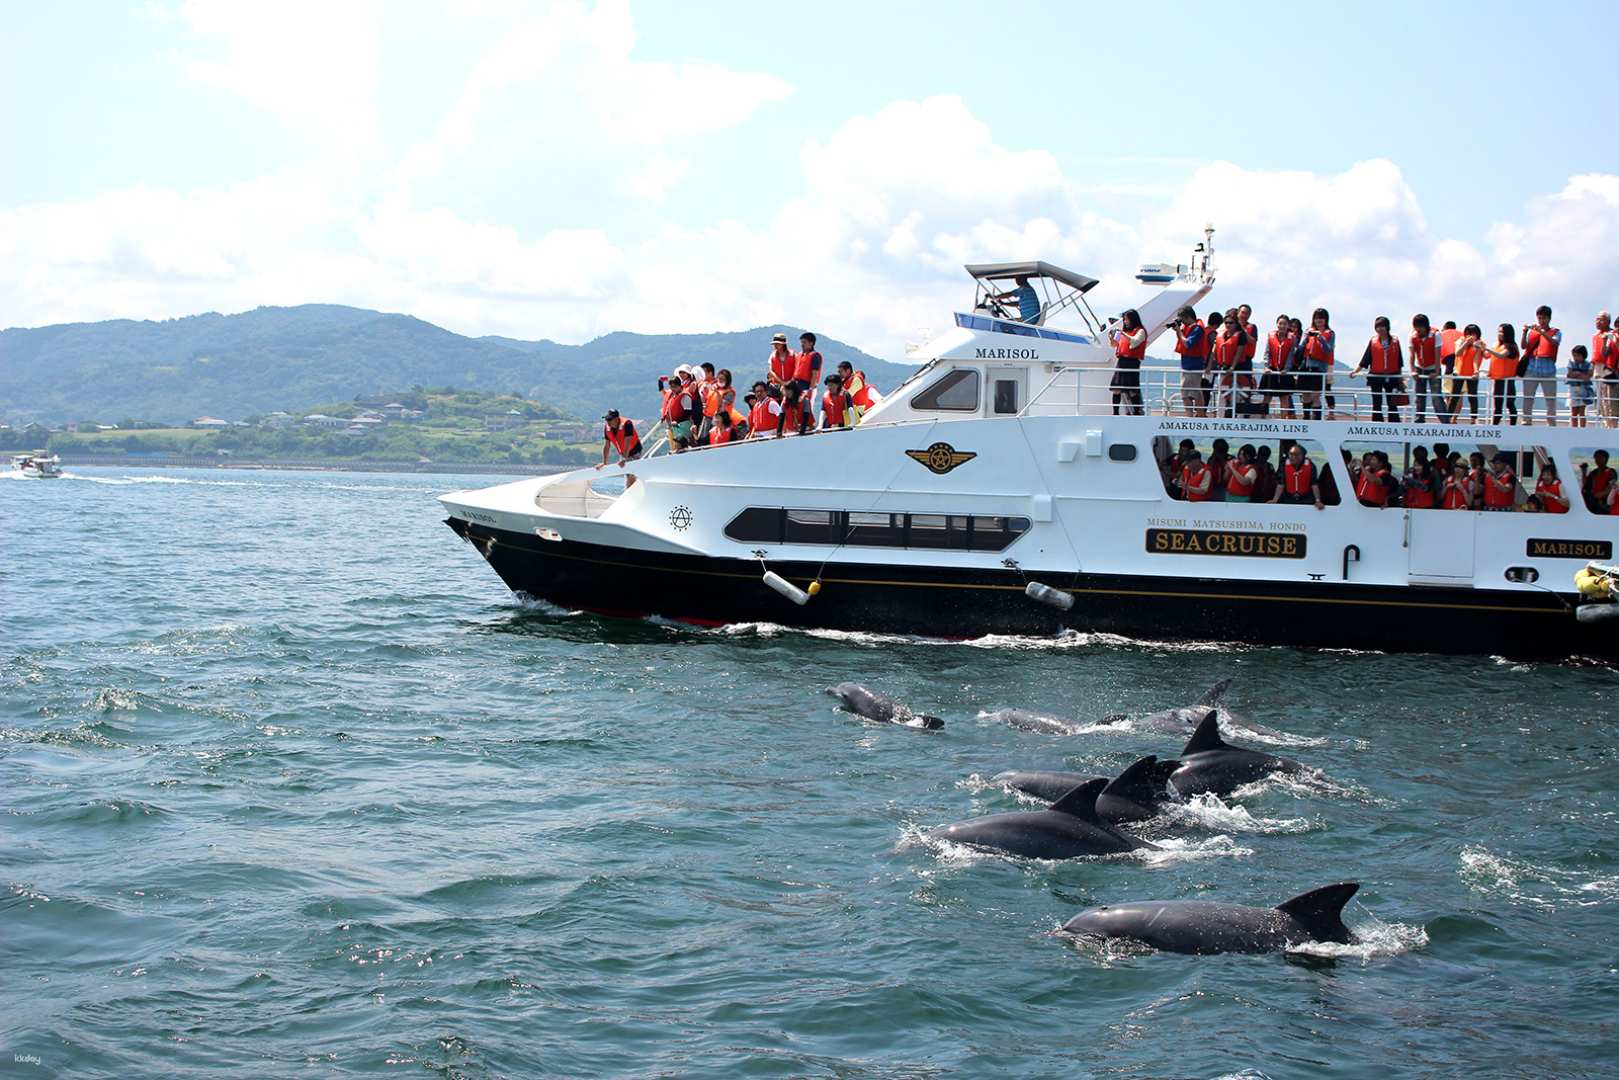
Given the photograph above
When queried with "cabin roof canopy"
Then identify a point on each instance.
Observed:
(1011, 270)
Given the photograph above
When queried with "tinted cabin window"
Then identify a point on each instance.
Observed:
(876, 530)
(995, 533)
(812, 527)
(1006, 396)
(957, 391)
(757, 524)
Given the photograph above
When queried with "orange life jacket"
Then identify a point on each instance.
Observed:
(781, 365)
(625, 440)
(721, 435)
(1418, 496)
(1125, 351)
(1552, 499)
(676, 405)
(806, 366)
(760, 420)
(1277, 351)
(1601, 480)
(1385, 358)
(1319, 347)
(1605, 350)
(1498, 491)
(1370, 490)
(835, 408)
(1252, 346)
(1296, 480)
(1201, 349)
(1226, 351)
(1425, 353)
(1191, 481)
(1467, 361)
(1539, 344)
(795, 416)
(1235, 483)
(1447, 343)
(1458, 494)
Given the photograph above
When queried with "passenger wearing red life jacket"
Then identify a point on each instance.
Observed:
(765, 412)
(1597, 483)
(862, 395)
(1458, 490)
(1129, 346)
(1278, 382)
(1197, 479)
(837, 409)
(1191, 345)
(723, 430)
(1451, 403)
(1371, 482)
(619, 436)
(1383, 361)
(795, 413)
(1300, 484)
(779, 370)
(1550, 490)
(1419, 493)
(807, 370)
(1228, 350)
(1426, 370)
(1245, 363)
(680, 404)
(1500, 485)
(1540, 345)
(1315, 380)
(1241, 475)
(1605, 368)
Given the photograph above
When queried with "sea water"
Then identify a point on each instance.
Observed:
(290, 785)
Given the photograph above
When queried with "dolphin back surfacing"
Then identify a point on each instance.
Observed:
(880, 707)
(1201, 928)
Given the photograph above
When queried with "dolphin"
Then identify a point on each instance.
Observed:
(1069, 830)
(1202, 927)
(874, 706)
(1181, 717)
(1209, 764)
(1039, 723)
(1134, 795)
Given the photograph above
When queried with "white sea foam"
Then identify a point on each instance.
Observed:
(1373, 939)
(1209, 811)
(1308, 783)
(544, 607)
(1523, 882)
(1168, 852)
(1174, 849)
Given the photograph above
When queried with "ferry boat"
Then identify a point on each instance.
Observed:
(997, 492)
(36, 466)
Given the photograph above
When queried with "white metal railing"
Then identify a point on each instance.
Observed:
(1099, 391)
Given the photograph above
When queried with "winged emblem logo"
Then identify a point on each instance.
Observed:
(941, 457)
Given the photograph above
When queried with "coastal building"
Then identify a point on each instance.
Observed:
(321, 420)
(210, 422)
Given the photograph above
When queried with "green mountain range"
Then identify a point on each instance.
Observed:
(234, 366)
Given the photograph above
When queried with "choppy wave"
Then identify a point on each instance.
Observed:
(1212, 812)
(1374, 939)
(1541, 886)
(1169, 851)
(122, 481)
(1308, 783)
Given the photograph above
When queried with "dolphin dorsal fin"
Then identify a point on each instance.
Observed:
(1207, 735)
(1321, 911)
(1214, 694)
(1080, 802)
(1139, 783)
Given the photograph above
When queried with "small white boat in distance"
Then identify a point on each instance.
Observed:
(36, 466)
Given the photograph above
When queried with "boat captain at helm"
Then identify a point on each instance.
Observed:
(1028, 301)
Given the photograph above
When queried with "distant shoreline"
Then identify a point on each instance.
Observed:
(185, 461)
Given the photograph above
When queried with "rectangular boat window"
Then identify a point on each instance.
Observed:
(956, 392)
(996, 533)
(876, 530)
(757, 525)
(1006, 396)
(927, 531)
(812, 527)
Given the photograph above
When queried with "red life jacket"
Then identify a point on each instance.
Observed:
(1296, 480)
(721, 435)
(806, 366)
(1494, 495)
(1542, 345)
(1252, 347)
(760, 420)
(1601, 480)
(1605, 350)
(1458, 494)
(1370, 490)
(1226, 351)
(1613, 503)
(676, 405)
(1235, 484)
(1190, 481)
(1418, 496)
(1319, 346)
(1550, 490)
(835, 407)
(781, 366)
(1385, 358)
(625, 439)
(861, 392)
(1125, 351)
(1277, 351)
(1201, 348)
(795, 416)
(1425, 352)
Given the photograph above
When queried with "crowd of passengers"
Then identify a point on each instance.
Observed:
(1229, 369)
(700, 406)
(1441, 480)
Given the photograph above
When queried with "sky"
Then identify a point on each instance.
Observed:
(564, 170)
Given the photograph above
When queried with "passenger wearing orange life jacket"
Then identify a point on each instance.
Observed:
(861, 393)
(621, 437)
(1245, 363)
(1371, 481)
(1550, 490)
(1469, 357)
(779, 370)
(1500, 485)
(1299, 485)
(1540, 345)
(1458, 491)
(1419, 493)
(1382, 359)
(1426, 367)
(1228, 350)
(1278, 381)
(1605, 368)
(723, 430)
(680, 405)
(765, 412)
(1192, 347)
(1129, 346)
(1450, 404)
(1320, 347)
(1597, 482)
(1196, 478)
(837, 409)
(1241, 475)
(795, 413)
